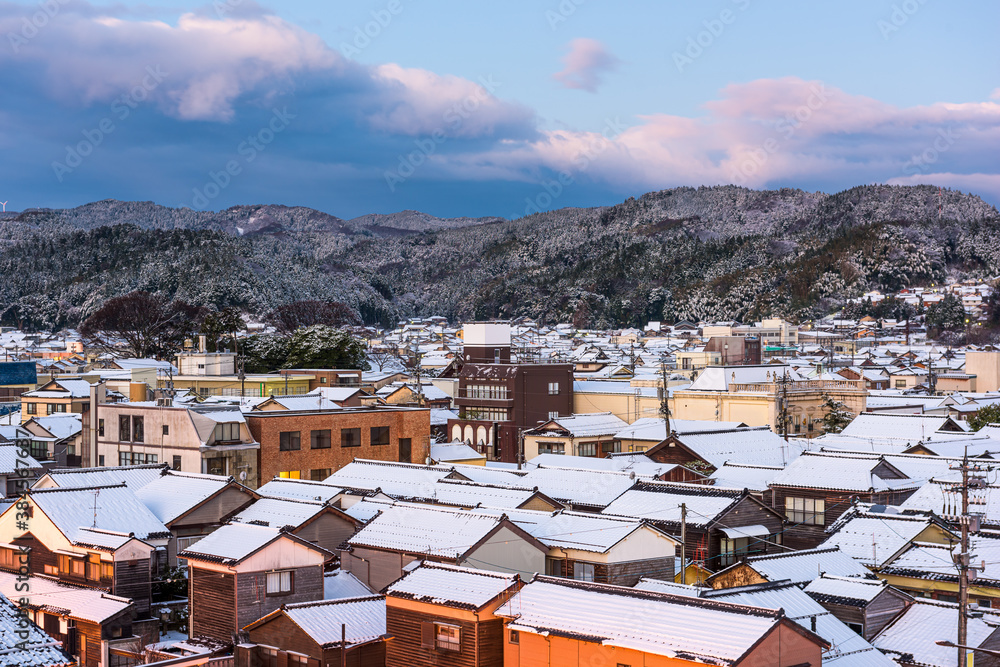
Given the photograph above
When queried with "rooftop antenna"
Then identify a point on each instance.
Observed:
(97, 492)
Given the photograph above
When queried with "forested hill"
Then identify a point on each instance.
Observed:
(686, 253)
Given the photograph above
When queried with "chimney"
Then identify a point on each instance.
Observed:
(202, 343)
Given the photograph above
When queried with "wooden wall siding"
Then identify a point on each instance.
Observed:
(282, 633)
(881, 611)
(491, 640)
(406, 650)
(622, 574)
(328, 531)
(133, 580)
(253, 602)
(212, 598)
(377, 569)
(802, 536)
(40, 555)
(92, 634)
(211, 513)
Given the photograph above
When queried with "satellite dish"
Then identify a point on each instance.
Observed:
(243, 475)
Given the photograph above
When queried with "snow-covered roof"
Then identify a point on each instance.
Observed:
(11, 460)
(719, 378)
(341, 584)
(135, 477)
(86, 604)
(661, 501)
(29, 645)
(452, 586)
(446, 452)
(299, 489)
(278, 512)
(655, 429)
(233, 542)
(591, 488)
(907, 428)
(61, 425)
(667, 625)
(66, 389)
(398, 479)
(740, 475)
(176, 493)
(845, 590)
(754, 446)
(75, 511)
(853, 533)
(800, 567)
(425, 530)
(586, 425)
(909, 633)
(840, 472)
(637, 462)
(364, 619)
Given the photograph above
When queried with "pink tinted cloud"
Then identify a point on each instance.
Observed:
(585, 65)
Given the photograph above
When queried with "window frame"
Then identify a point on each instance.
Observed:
(31, 408)
(125, 428)
(138, 429)
(321, 438)
(228, 432)
(379, 436)
(280, 576)
(347, 437)
(582, 570)
(289, 441)
(447, 644)
(808, 511)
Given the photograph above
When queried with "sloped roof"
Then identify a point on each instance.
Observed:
(65, 389)
(584, 425)
(176, 493)
(299, 489)
(452, 586)
(363, 617)
(88, 604)
(75, 511)
(908, 428)
(340, 584)
(231, 543)
(661, 501)
(872, 538)
(654, 428)
(754, 446)
(425, 530)
(838, 472)
(909, 632)
(398, 479)
(800, 567)
(11, 461)
(592, 488)
(278, 512)
(135, 477)
(850, 590)
(668, 625)
(37, 649)
(741, 475)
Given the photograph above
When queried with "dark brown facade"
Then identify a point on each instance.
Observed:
(507, 398)
(413, 643)
(324, 442)
(281, 633)
(735, 350)
(868, 618)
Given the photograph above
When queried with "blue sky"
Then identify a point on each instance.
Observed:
(474, 108)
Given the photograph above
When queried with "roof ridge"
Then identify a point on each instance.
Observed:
(141, 466)
(467, 570)
(98, 487)
(322, 603)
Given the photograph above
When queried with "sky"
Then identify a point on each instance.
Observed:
(473, 108)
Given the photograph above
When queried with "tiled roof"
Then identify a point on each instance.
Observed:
(872, 538)
(850, 590)
(425, 530)
(838, 472)
(340, 584)
(587, 425)
(661, 501)
(175, 493)
(134, 477)
(108, 508)
(452, 586)
(755, 446)
(299, 489)
(232, 542)
(800, 567)
(87, 604)
(918, 629)
(364, 619)
(740, 475)
(278, 512)
(579, 487)
(37, 649)
(668, 625)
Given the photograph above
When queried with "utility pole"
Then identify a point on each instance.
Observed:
(784, 404)
(968, 523)
(684, 516)
(664, 396)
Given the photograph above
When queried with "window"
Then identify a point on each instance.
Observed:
(587, 449)
(553, 567)
(31, 408)
(515, 638)
(686, 363)
(137, 431)
(320, 439)
(583, 571)
(39, 450)
(177, 463)
(554, 414)
(448, 637)
(216, 466)
(405, 450)
(100, 460)
(553, 389)
(380, 435)
(166, 429)
(350, 437)
(984, 603)
(280, 583)
(289, 474)
(805, 510)
(269, 656)
(100, 427)
(857, 627)
(551, 448)
(289, 441)
(124, 428)
(319, 474)
(228, 432)
(900, 384)
(297, 659)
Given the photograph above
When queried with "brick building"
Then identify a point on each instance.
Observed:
(300, 444)
(498, 399)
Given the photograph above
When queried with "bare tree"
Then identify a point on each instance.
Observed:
(380, 356)
(292, 316)
(141, 324)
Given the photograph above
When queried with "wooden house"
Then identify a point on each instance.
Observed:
(598, 624)
(101, 537)
(723, 525)
(798, 567)
(242, 572)
(864, 605)
(81, 618)
(348, 632)
(25, 643)
(402, 534)
(816, 488)
(319, 523)
(441, 614)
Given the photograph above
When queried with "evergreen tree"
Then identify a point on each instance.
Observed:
(837, 416)
(988, 414)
